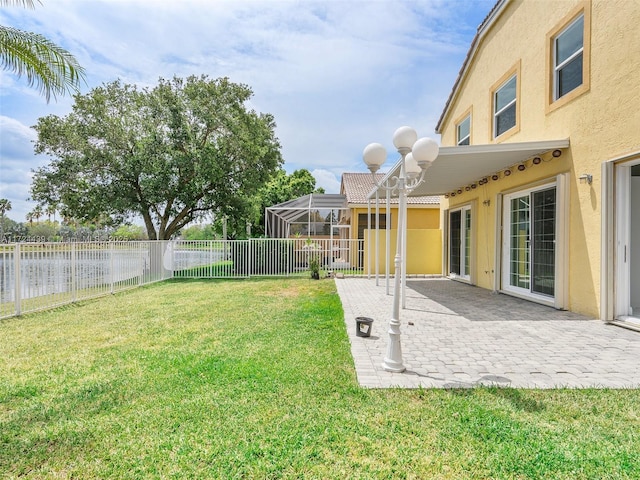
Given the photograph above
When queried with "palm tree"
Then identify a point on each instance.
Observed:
(37, 213)
(5, 206)
(49, 67)
(51, 211)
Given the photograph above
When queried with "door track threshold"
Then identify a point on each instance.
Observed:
(626, 324)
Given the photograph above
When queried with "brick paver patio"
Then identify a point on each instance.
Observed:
(456, 335)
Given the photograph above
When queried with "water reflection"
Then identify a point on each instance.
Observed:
(45, 272)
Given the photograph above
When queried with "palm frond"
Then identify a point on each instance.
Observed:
(50, 68)
(23, 3)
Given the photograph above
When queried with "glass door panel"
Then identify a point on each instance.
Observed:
(460, 243)
(544, 236)
(467, 242)
(455, 236)
(519, 242)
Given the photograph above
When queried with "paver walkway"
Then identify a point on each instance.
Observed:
(456, 335)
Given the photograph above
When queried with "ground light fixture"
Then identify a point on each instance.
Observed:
(416, 156)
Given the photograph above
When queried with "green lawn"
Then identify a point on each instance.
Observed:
(254, 379)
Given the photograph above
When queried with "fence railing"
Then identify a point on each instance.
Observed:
(263, 257)
(45, 275)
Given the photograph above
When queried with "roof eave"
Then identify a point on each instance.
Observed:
(449, 167)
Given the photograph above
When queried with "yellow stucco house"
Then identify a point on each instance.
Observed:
(540, 160)
(369, 225)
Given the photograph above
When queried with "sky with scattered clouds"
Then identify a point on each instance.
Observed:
(336, 74)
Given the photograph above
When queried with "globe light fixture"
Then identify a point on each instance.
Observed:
(404, 138)
(425, 151)
(412, 168)
(374, 156)
(416, 156)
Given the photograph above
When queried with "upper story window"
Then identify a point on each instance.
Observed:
(463, 131)
(504, 106)
(569, 57)
(568, 50)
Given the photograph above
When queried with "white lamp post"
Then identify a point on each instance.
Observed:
(416, 157)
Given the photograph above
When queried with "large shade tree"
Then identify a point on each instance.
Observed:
(170, 154)
(52, 69)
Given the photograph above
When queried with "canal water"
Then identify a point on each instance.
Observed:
(50, 272)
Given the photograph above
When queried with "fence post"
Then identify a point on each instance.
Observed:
(18, 281)
(174, 248)
(111, 267)
(73, 273)
(140, 257)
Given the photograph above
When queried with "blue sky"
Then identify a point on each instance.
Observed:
(337, 75)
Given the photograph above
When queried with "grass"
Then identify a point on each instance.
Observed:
(217, 269)
(254, 379)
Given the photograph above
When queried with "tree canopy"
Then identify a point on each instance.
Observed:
(51, 68)
(171, 154)
(279, 189)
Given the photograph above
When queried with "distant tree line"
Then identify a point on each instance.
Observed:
(52, 231)
(42, 224)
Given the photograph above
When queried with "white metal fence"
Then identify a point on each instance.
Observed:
(36, 276)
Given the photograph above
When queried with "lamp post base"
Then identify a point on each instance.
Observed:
(393, 361)
(391, 366)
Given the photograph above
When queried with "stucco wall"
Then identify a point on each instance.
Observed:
(424, 251)
(602, 123)
(418, 217)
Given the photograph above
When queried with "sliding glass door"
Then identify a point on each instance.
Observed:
(530, 242)
(460, 243)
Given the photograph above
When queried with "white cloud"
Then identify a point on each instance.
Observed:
(13, 130)
(16, 154)
(327, 180)
(336, 75)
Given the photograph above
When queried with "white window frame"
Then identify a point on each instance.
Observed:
(496, 113)
(557, 68)
(466, 137)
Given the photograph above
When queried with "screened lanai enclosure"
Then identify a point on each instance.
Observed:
(315, 216)
(317, 222)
